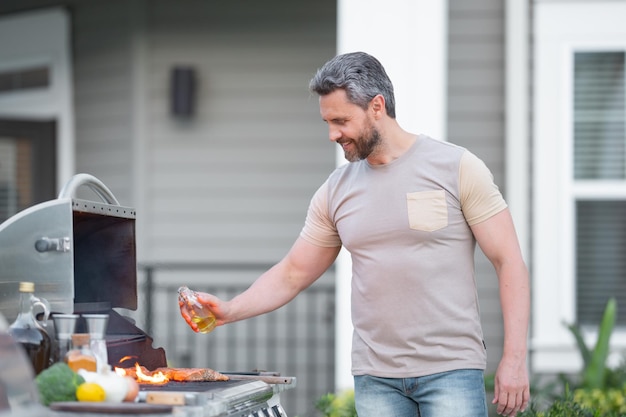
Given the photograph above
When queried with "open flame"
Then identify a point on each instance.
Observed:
(140, 376)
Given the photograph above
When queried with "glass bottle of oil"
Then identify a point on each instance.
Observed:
(27, 331)
(200, 314)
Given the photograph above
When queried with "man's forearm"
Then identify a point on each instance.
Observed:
(515, 301)
(270, 291)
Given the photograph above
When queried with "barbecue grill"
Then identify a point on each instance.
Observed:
(81, 255)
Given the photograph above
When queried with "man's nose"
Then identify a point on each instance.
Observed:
(334, 134)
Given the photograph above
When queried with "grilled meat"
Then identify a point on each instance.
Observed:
(180, 374)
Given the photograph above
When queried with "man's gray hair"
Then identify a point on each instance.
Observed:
(361, 76)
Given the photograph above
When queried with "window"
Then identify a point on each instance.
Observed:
(37, 77)
(579, 177)
(27, 164)
(599, 158)
(36, 107)
(9, 176)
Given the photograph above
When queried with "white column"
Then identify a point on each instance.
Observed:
(517, 117)
(409, 37)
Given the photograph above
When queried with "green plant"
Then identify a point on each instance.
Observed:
(337, 405)
(605, 402)
(562, 407)
(595, 371)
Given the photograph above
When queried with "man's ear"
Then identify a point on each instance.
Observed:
(377, 106)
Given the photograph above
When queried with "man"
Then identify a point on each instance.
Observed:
(410, 210)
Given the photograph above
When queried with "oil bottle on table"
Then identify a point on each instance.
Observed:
(27, 330)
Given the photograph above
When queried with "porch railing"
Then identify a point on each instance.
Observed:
(295, 340)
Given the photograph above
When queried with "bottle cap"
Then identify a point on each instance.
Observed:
(80, 339)
(27, 287)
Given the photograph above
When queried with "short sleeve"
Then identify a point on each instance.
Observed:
(480, 196)
(319, 229)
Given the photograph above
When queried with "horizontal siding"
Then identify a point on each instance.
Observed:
(466, 54)
(103, 101)
(489, 77)
(476, 121)
(476, 6)
(465, 105)
(234, 182)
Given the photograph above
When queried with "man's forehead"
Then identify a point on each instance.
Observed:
(337, 100)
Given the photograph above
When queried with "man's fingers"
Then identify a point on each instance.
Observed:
(502, 402)
(525, 401)
(509, 404)
(506, 405)
(517, 403)
(185, 314)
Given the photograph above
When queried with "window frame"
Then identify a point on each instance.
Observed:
(559, 34)
(45, 42)
(40, 138)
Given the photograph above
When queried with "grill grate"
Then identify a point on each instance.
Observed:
(191, 386)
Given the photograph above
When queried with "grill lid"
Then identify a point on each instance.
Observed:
(75, 251)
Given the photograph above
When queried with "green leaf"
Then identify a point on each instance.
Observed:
(593, 376)
(585, 353)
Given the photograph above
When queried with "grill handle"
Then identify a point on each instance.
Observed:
(97, 186)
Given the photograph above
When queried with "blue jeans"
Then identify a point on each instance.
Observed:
(458, 393)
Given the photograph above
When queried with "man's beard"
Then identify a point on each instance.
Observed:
(364, 145)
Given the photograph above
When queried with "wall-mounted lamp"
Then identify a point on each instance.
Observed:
(183, 91)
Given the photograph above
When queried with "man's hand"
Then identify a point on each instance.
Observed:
(497, 239)
(512, 388)
(211, 303)
(304, 264)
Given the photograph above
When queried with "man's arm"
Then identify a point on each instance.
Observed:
(302, 265)
(498, 241)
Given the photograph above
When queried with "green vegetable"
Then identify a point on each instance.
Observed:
(58, 383)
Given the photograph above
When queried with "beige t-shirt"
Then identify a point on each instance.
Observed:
(406, 225)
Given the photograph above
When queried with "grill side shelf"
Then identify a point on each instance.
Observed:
(289, 380)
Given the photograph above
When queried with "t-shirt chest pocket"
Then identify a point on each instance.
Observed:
(427, 210)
